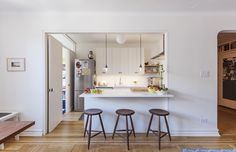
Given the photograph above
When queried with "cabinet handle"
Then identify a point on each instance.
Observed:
(120, 72)
(136, 72)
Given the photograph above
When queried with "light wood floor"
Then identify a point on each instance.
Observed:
(71, 116)
(68, 137)
(227, 121)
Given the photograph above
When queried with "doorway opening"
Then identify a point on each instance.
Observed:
(91, 62)
(60, 86)
(227, 83)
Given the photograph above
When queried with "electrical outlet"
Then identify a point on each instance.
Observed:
(204, 120)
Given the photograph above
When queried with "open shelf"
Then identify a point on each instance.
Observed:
(151, 69)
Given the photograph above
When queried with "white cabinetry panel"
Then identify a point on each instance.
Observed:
(119, 61)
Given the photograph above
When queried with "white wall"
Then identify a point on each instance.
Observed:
(65, 41)
(192, 42)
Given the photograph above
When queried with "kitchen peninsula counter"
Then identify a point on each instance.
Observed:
(111, 100)
(126, 94)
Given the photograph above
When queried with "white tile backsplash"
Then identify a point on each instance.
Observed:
(126, 80)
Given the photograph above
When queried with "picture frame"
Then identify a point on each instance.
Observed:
(15, 64)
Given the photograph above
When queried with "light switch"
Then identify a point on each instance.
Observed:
(205, 74)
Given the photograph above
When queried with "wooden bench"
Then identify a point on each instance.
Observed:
(10, 129)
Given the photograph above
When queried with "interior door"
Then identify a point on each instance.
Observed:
(55, 83)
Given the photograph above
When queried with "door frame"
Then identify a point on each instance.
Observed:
(46, 77)
(218, 58)
(45, 55)
(46, 85)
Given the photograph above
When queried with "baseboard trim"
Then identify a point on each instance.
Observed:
(32, 133)
(212, 133)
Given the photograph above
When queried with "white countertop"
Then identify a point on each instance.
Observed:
(126, 93)
(121, 86)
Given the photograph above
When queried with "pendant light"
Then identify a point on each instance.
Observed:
(106, 67)
(120, 39)
(140, 47)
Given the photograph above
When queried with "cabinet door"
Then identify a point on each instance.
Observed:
(142, 60)
(124, 61)
(134, 61)
(101, 61)
(109, 61)
(116, 61)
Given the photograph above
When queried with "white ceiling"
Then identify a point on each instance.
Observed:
(111, 38)
(119, 6)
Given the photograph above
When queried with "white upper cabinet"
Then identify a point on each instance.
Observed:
(134, 61)
(119, 61)
(120, 58)
(101, 61)
(116, 61)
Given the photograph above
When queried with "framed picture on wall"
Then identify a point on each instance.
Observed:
(15, 64)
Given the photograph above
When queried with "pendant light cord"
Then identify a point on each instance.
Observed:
(106, 50)
(140, 45)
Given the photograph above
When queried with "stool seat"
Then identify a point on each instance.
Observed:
(159, 112)
(93, 111)
(125, 112)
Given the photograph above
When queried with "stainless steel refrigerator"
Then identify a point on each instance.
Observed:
(84, 78)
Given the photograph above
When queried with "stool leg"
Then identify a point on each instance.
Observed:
(127, 131)
(89, 133)
(132, 125)
(86, 125)
(167, 126)
(114, 131)
(102, 126)
(159, 132)
(149, 126)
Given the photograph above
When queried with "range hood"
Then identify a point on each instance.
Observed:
(158, 55)
(162, 53)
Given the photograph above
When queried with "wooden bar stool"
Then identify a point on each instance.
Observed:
(159, 113)
(127, 113)
(90, 113)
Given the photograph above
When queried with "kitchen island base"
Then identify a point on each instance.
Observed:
(141, 106)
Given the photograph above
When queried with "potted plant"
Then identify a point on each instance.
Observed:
(163, 90)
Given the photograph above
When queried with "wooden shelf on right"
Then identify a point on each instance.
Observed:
(151, 69)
